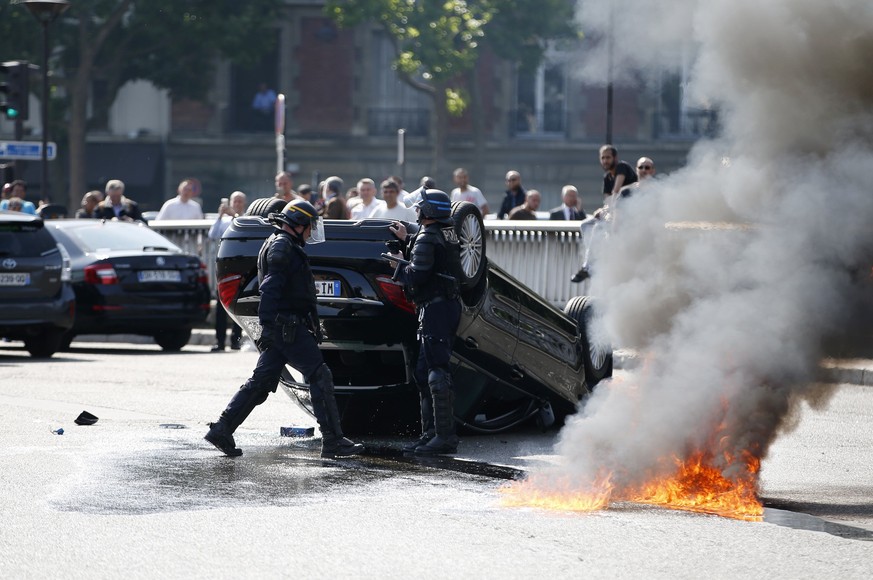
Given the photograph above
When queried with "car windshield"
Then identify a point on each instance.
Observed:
(114, 237)
(24, 240)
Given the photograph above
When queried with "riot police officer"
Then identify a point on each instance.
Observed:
(290, 333)
(431, 281)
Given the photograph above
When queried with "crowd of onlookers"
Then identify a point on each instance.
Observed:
(367, 198)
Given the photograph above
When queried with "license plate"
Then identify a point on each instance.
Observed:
(327, 287)
(159, 276)
(14, 279)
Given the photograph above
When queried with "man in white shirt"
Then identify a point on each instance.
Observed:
(369, 203)
(181, 207)
(393, 210)
(466, 192)
(413, 197)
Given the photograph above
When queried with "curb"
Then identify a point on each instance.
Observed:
(854, 371)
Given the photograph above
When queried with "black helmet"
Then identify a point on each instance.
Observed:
(435, 204)
(298, 212)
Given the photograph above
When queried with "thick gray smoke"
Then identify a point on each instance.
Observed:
(730, 307)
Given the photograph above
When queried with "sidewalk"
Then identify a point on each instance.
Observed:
(854, 371)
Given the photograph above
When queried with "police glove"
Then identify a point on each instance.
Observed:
(268, 337)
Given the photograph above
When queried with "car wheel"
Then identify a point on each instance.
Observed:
(471, 236)
(44, 344)
(597, 358)
(67, 341)
(173, 340)
(264, 206)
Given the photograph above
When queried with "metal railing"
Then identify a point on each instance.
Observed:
(542, 255)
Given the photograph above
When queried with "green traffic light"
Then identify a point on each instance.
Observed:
(11, 113)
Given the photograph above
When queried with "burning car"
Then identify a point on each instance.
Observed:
(516, 357)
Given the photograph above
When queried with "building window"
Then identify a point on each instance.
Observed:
(540, 103)
(244, 83)
(393, 103)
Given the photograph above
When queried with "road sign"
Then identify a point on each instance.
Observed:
(30, 150)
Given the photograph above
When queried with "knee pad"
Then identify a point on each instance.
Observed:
(439, 379)
(321, 379)
(261, 388)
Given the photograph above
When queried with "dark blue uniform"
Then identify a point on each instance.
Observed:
(431, 282)
(290, 334)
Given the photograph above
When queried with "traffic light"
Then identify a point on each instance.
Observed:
(14, 89)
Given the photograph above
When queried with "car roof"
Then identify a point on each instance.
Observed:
(18, 217)
(70, 224)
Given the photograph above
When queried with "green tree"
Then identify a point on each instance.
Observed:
(173, 43)
(438, 44)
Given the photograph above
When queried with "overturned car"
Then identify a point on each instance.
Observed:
(515, 358)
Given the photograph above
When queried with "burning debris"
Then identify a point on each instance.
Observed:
(732, 319)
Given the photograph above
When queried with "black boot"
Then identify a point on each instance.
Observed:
(427, 426)
(446, 441)
(220, 434)
(580, 276)
(333, 444)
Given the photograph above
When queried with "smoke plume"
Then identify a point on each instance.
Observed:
(769, 238)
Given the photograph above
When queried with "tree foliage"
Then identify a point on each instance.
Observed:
(437, 42)
(173, 43)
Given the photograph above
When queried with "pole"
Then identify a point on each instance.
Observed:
(609, 74)
(279, 118)
(44, 186)
(401, 150)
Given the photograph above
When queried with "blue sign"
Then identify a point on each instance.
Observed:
(28, 150)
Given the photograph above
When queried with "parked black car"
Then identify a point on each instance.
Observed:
(129, 279)
(516, 357)
(37, 304)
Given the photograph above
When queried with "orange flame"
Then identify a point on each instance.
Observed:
(697, 485)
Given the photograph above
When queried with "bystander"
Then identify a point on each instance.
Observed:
(183, 206)
(116, 206)
(514, 194)
(466, 192)
(390, 209)
(229, 208)
(527, 210)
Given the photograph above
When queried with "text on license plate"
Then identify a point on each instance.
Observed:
(327, 287)
(14, 278)
(159, 276)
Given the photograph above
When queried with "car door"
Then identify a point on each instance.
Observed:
(488, 334)
(547, 353)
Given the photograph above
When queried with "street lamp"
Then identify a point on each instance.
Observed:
(45, 11)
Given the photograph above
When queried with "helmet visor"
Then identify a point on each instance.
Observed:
(317, 231)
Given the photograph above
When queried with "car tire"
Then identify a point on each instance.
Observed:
(173, 340)
(597, 358)
(67, 341)
(44, 344)
(264, 206)
(467, 220)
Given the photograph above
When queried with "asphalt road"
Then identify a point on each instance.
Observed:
(140, 494)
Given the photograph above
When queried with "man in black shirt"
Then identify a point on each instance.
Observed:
(515, 195)
(618, 173)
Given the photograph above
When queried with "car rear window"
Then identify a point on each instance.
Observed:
(113, 237)
(27, 240)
